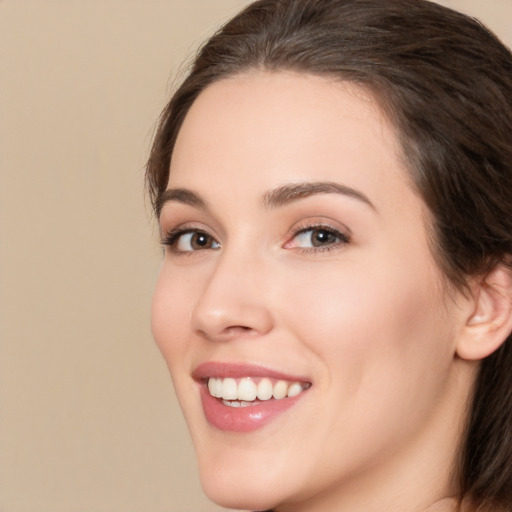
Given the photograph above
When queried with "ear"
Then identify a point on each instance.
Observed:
(490, 321)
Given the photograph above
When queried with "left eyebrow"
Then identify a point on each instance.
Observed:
(179, 195)
(295, 191)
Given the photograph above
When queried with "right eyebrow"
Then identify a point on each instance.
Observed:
(180, 195)
(289, 193)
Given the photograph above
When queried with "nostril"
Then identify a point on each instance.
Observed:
(230, 333)
(234, 331)
(240, 328)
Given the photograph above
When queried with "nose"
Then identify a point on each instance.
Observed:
(233, 302)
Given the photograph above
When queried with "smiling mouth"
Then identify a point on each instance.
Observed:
(251, 391)
(242, 398)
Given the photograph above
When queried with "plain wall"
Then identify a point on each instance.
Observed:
(88, 419)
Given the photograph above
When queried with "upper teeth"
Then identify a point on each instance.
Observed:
(247, 390)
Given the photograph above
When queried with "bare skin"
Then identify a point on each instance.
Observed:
(444, 505)
(338, 286)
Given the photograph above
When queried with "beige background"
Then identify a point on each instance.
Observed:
(88, 420)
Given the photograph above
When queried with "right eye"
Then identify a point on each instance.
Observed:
(189, 240)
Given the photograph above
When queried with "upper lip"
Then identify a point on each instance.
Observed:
(240, 370)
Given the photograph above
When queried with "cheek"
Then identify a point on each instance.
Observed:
(383, 352)
(170, 314)
(370, 302)
(379, 332)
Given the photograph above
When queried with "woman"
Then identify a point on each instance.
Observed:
(333, 183)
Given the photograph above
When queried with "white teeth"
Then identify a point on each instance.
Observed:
(215, 387)
(246, 391)
(211, 387)
(294, 390)
(280, 389)
(229, 389)
(265, 389)
(232, 403)
(218, 388)
(235, 403)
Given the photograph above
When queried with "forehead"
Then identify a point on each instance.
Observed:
(269, 128)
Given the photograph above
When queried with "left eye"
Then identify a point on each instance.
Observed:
(189, 241)
(318, 237)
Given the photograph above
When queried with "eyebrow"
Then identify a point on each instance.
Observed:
(276, 198)
(295, 191)
(180, 195)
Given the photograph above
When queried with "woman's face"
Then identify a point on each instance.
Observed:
(297, 262)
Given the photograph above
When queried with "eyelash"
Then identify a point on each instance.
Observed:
(343, 238)
(172, 239)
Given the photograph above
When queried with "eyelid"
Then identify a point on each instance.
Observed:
(175, 216)
(170, 238)
(344, 234)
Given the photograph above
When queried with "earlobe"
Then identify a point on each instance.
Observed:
(490, 321)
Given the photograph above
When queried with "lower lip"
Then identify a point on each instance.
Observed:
(243, 419)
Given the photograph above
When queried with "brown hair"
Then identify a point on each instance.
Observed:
(445, 82)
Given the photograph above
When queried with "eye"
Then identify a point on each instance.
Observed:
(189, 240)
(317, 238)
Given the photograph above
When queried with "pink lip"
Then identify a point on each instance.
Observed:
(241, 419)
(237, 371)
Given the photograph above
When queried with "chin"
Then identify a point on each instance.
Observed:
(231, 489)
(247, 480)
